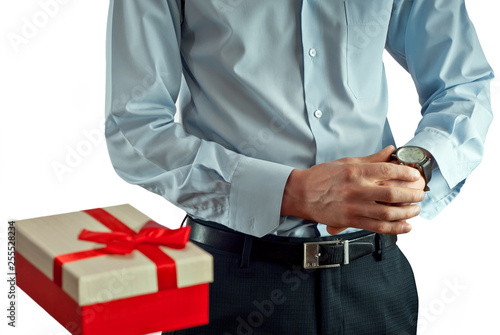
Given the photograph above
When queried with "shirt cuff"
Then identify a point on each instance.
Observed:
(255, 197)
(447, 176)
(443, 153)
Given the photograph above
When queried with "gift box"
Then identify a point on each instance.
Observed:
(113, 271)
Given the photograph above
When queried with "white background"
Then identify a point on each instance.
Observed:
(52, 98)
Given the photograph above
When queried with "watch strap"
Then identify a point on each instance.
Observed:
(427, 172)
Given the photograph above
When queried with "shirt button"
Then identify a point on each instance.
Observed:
(318, 113)
(312, 52)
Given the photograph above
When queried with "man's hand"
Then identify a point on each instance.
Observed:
(368, 193)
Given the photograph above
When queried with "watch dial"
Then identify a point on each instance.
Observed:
(411, 155)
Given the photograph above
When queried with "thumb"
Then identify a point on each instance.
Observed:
(382, 156)
(335, 230)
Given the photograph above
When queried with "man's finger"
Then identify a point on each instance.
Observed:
(419, 184)
(334, 230)
(387, 171)
(385, 194)
(397, 195)
(383, 155)
(384, 227)
(389, 213)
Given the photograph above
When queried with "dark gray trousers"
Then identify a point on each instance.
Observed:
(368, 296)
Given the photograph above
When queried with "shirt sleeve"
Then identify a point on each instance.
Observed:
(435, 41)
(148, 148)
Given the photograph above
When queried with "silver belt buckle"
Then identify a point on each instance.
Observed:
(312, 254)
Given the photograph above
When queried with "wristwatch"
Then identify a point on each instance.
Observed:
(417, 158)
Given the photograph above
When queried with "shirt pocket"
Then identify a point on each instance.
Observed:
(367, 24)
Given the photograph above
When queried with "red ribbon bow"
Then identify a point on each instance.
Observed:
(152, 233)
(123, 240)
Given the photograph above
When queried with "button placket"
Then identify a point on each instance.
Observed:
(316, 101)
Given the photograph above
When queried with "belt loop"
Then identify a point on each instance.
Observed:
(245, 253)
(380, 245)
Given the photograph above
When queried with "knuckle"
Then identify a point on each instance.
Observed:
(345, 192)
(389, 228)
(351, 193)
(386, 170)
(351, 173)
(348, 212)
(418, 195)
(348, 160)
(357, 221)
(395, 229)
(386, 213)
(391, 195)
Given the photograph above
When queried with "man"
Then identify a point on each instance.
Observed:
(283, 142)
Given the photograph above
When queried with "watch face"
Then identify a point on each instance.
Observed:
(411, 155)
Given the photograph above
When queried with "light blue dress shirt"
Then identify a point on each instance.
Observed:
(263, 87)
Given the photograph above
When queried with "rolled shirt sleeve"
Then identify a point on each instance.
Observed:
(148, 148)
(436, 43)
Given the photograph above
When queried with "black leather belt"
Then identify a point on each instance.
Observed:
(321, 252)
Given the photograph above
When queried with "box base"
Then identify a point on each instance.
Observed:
(162, 311)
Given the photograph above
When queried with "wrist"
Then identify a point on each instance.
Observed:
(292, 201)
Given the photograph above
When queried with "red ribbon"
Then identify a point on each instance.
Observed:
(151, 233)
(123, 240)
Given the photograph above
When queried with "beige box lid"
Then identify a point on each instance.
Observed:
(109, 277)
